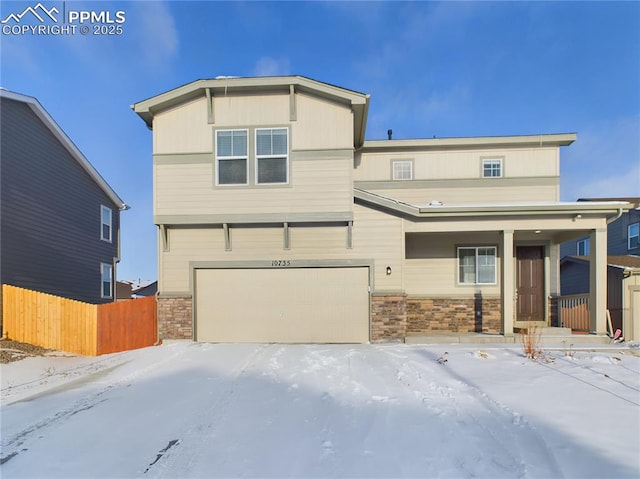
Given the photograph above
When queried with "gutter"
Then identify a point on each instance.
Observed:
(617, 217)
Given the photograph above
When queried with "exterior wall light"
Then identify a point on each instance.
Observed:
(388, 270)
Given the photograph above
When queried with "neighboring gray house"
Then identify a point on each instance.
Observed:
(59, 219)
(623, 258)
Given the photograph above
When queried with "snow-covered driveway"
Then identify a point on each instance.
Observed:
(218, 410)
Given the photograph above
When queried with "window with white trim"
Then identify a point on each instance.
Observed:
(492, 168)
(633, 236)
(106, 223)
(583, 247)
(272, 156)
(232, 157)
(477, 265)
(106, 272)
(402, 170)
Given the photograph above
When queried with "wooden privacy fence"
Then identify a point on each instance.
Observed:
(76, 327)
(574, 312)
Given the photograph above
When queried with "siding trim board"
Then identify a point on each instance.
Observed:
(475, 182)
(272, 218)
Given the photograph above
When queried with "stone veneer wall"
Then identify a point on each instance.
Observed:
(175, 317)
(388, 317)
(554, 319)
(458, 315)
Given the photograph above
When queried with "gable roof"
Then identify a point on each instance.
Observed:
(62, 137)
(628, 261)
(220, 86)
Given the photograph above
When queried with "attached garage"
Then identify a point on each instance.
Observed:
(282, 305)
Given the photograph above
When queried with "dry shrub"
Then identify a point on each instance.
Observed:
(530, 341)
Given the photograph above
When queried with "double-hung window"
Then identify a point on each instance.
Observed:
(477, 265)
(106, 223)
(272, 156)
(492, 168)
(231, 157)
(106, 272)
(402, 170)
(583, 247)
(633, 236)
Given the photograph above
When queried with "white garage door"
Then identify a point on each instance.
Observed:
(289, 305)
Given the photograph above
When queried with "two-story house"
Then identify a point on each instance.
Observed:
(623, 271)
(278, 222)
(59, 219)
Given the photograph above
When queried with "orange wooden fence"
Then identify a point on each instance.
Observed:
(76, 327)
(574, 312)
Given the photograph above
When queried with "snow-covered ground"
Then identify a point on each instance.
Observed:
(219, 410)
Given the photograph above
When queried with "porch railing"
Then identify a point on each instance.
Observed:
(573, 312)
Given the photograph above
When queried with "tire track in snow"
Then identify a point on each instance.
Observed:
(187, 448)
(18, 442)
(513, 435)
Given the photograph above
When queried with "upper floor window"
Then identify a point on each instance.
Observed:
(272, 155)
(492, 168)
(106, 271)
(633, 235)
(231, 157)
(402, 170)
(106, 227)
(477, 265)
(583, 247)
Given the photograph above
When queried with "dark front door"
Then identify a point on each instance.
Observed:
(530, 282)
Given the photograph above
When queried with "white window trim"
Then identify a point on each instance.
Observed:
(476, 248)
(487, 160)
(236, 157)
(258, 157)
(104, 209)
(102, 271)
(399, 162)
(637, 235)
(587, 247)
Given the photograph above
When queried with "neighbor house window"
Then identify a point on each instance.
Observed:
(583, 247)
(402, 170)
(492, 168)
(107, 280)
(633, 235)
(231, 157)
(272, 155)
(477, 265)
(105, 231)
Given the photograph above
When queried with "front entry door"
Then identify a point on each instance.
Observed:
(530, 282)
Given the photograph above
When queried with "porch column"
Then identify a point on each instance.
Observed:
(598, 281)
(507, 283)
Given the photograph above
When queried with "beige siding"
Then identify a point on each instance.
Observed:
(438, 165)
(431, 267)
(236, 111)
(321, 124)
(376, 237)
(318, 185)
(183, 129)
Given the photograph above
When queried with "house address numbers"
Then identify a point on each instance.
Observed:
(281, 263)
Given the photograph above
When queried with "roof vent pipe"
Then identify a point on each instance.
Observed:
(390, 133)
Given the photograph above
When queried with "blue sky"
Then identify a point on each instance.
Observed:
(445, 69)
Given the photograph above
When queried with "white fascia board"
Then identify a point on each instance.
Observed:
(443, 210)
(554, 139)
(62, 137)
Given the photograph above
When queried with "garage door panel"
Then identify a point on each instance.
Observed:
(287, 305)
